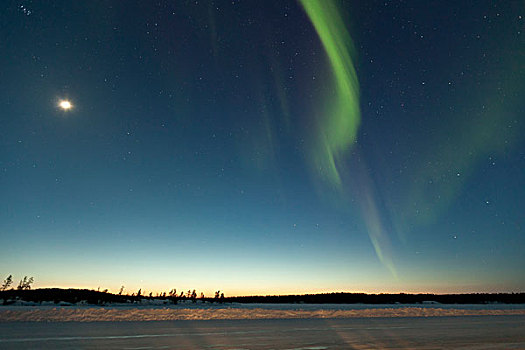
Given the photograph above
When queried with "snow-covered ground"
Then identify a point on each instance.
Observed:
(158, 311)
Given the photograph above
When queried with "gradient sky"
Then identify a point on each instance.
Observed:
(264, 147)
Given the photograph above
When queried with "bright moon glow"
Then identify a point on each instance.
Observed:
(65, 105)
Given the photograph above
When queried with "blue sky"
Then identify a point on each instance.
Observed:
(197, 151)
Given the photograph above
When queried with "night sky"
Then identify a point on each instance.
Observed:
(263, 147)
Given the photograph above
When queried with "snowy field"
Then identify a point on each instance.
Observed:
(262, 326)
(50, 312)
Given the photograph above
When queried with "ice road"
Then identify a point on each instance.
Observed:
(465, 332)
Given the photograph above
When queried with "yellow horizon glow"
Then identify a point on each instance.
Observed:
(288, 291)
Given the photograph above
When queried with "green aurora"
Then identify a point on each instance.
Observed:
(339, 123)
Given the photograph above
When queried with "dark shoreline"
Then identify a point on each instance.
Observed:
(74, 296)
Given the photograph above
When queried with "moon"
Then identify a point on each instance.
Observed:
(65, 105)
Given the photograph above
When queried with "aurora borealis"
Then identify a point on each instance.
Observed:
(264, 147)
(338, 125)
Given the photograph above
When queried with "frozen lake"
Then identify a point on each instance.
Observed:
(463, 332)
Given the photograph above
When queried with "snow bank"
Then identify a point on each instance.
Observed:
(89, 314)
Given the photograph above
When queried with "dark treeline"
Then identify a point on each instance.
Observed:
(57, 295)
(362, 298)
(74, 296)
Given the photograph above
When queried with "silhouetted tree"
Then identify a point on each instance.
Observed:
(173, 295)
(7, 282)
(25, 283)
